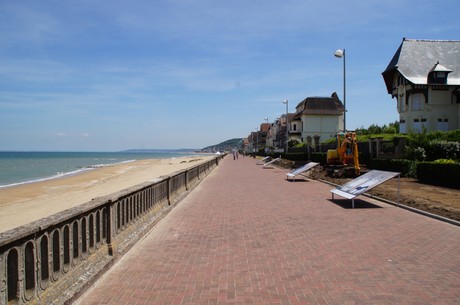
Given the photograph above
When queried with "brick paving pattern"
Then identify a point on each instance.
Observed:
(245, 235)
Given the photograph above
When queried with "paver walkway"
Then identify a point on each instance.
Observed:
(245, 235)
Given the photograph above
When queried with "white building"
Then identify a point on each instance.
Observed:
(424, 77)
(318, 116)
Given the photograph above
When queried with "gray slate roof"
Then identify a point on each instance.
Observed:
(414, 59)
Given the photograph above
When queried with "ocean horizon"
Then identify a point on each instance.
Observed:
(21, 167)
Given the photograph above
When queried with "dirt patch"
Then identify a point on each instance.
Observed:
(434, 199)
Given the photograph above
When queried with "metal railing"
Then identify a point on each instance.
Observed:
(47, 253)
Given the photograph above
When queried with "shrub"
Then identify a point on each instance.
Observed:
(295, 156)
(293, 142)
(440, 149)
(405, 167)
(444, 174)
(364, 157)
(434, 143)
(319, 157)
(415, 147)
(445, 161)
(419, 154)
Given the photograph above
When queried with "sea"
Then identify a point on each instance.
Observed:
(25, 167)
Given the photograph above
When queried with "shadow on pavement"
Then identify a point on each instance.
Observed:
(359, 204)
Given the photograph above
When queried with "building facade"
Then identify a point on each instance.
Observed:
(318, 117)
(424, 78)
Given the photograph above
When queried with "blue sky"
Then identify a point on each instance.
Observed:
(112, 75)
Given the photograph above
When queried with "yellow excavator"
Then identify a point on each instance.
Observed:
(344, 160)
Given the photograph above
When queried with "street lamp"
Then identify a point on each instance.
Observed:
(287, 124)
(266, 119)
(339, 54)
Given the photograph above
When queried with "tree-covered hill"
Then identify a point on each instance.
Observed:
(225, 146)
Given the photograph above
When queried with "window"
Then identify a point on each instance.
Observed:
(402, 126)
(443, 124)
(401, 103)
(419, 125)
(439, 75)
(417, 102)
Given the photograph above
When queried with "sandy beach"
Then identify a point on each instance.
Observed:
(23, 204)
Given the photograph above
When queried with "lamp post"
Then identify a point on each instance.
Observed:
(339, 54)
(287, 124)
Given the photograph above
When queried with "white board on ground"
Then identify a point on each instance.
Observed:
(302, 169)
(366, 182)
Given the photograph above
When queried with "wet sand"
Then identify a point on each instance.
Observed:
(25, 203)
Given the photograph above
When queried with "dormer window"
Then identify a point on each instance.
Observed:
(438, 74)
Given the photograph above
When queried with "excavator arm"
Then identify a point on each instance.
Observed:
(349, 143)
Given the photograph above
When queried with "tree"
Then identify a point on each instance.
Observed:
(392, 128)
(374, 129)
(293, 142)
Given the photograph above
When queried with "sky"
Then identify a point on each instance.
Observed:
(110, 75)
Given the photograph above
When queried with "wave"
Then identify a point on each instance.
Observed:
(58, 175)
(106, 164)
(18, 168)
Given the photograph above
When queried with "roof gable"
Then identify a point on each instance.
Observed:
(414, 59)
(321, 106)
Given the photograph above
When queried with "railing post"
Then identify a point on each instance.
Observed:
(109, 225)
(3, 268)
(168, 185)
(186, 180)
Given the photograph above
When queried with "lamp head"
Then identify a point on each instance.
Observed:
(285, 101)
(339, 53)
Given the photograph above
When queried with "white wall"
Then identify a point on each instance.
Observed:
(325, 126)
(440, 113)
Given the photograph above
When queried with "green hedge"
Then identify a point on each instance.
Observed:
(443, 174)
(319, 157)
(405, 167)
(295, 156)
(289, 156)
(439, 149)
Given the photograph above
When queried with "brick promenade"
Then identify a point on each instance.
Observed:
(245, 235)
